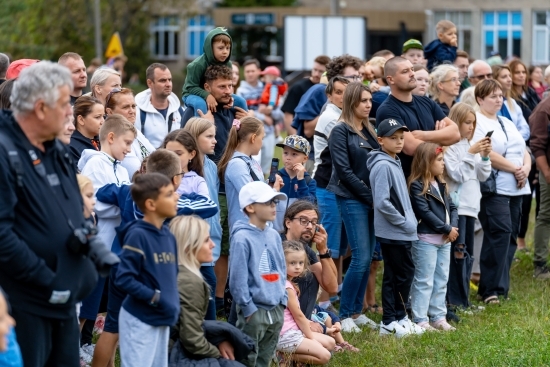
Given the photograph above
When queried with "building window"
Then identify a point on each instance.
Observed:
(502, 33)
(463, 22)
(541, 38)
(197, 29)
(165, 38)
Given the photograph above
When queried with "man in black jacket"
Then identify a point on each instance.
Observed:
(40, 208)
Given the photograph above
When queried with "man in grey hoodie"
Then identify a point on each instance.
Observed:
(395, 227)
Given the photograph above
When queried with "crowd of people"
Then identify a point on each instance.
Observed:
(150, 218)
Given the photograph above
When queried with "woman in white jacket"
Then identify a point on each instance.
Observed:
(466, 165)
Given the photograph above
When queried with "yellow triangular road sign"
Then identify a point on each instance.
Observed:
(115, 46)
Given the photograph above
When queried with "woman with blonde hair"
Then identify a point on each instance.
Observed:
(103, 82)
(445, 86)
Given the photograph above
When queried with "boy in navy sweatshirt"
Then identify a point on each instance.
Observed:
(395, 227)
(148, 272)
(257, 271)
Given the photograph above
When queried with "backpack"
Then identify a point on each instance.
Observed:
(143, 117)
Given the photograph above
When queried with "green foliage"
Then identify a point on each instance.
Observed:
(252, 3)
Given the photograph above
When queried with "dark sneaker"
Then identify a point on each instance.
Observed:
(541, 272)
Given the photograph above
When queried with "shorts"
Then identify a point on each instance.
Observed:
(290, 341)
(377, 254)
(114, 304)
(224, 220)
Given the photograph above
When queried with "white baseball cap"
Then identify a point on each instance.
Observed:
(258, 192)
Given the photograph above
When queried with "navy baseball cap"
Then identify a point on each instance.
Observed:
(389, 126)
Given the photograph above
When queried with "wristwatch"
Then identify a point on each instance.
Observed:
(326, 255)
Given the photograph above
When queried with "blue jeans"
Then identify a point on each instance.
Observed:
(332, 221)
(210, 279)
(200, 104)
(431, 273)
(359, 225)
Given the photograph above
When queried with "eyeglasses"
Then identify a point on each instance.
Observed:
(483, 76)
(116, 90)
(272, 202)
(353, 77)
(454, 80)
(180, 174)
(304, 221)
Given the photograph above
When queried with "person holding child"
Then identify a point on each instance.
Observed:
(395, 226)
(258, 271)
(437, 228)
(443, 49)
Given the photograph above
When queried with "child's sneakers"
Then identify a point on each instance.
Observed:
(426, 326)
(393, 328)
(442, 325)
(349, 326)
(411, 326)
(364, 320)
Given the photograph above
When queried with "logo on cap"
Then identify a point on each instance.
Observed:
(393, 122)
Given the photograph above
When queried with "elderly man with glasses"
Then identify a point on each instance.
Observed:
(478, 71)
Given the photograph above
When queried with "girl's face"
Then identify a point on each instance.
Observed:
(467, 127)
(90, 125)
(422, 82)
(205, 252)
(184, 154)
(365, 104)
(207, 141)
(505, 79)
(6, 323)
(536, 75)
(519, 76)
(258, 140)
(236, 74)
(438, 165)
(126, 107)
(89, 200)
(295, 263)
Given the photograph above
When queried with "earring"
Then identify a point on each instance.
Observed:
(190, 160)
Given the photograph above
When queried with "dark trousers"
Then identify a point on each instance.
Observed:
(45, 341)
(397, 280)
(210, 279)
(500, 217)
(527, 200)
(460, 269)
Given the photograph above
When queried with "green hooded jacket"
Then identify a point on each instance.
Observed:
(194, 81)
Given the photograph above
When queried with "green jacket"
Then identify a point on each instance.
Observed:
(194, 81)
(194, 294)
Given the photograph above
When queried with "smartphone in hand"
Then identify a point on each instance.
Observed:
(273, 170)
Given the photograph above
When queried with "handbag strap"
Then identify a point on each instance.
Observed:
(506, 134)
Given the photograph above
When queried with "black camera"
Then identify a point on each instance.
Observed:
(85, 241)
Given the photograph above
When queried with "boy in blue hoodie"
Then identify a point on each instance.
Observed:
(168, 164)
(257, 271)
(217, 51)
(298, 184)
(443, 49)
(148, 272)
(395, 227)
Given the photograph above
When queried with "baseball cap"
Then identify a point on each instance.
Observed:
(296, 142)
(412, 43)
(258, 192)
(389, 126)
(273, 70)
(17, 66)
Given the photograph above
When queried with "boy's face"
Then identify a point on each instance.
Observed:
(414, 55)
(449, 37)
(292, 157)
(121, 144)
(337, 96)
(393, 144)
(6, 323)
(221, 51)
(265, 212)
(166, 204)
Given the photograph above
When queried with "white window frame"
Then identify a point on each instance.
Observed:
(546, 29)
(495, 28)
(196, 30)
(461, 27)
(171, 31)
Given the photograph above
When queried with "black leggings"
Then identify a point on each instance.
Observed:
(527, 200)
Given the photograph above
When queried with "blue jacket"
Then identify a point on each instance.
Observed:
(121, 197)
(213, 183)
(148, 262)
(11, 357)
(437, 52)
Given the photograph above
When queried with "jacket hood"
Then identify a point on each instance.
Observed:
(143, 101)
(88, 154)
(123, 230)
(430, 47)
(241, 225)
(207, 47)
(378, 155)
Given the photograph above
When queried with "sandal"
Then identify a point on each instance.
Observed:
(338, 348)
(491, 300)
(375, 309)
(346, 346)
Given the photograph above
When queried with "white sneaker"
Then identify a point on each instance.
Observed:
(362, 320)
(84, 356)
(89, 349)
(348, 326)
(394, 328)
(411, 327)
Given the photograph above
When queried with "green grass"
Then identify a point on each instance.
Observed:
(514, 333)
